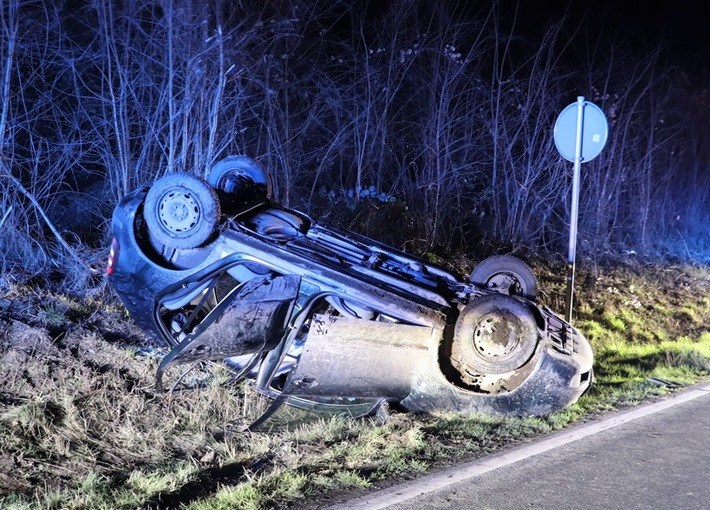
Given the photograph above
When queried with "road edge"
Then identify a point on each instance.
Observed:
(383, 498)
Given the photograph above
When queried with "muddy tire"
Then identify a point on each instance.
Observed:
(181, 211)
(240, 176)
(494, 334)
(507, 275)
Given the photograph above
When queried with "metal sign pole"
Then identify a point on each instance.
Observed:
(576, 177)
(581, 131)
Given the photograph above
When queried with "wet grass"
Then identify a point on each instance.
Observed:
(81, 427)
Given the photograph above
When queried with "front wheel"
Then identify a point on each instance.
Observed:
(181, 211)
(506, 275)
(495, 334)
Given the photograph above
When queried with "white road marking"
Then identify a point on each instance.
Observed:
(424, 485)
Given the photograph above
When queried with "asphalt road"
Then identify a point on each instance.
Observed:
(656, 456)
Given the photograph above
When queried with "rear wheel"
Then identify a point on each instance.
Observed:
(181, 211)
(507, 275)
(239, 175)
(494, 334)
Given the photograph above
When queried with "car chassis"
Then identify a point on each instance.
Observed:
(330, 320)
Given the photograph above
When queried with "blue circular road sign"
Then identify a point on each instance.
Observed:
(595, 131)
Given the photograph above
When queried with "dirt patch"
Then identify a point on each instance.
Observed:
(59, 370)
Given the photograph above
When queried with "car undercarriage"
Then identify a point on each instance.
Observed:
(327, 319)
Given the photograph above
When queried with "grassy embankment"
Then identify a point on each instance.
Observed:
(81, 426)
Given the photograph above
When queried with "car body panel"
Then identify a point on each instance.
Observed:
(347, 357)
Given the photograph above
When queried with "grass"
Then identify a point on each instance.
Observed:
(81, 427)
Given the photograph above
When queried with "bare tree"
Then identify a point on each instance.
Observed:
(439, 123)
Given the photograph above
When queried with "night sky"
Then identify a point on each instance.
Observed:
(679, 27)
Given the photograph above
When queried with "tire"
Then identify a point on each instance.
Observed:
(507, 275)
(494, 334)
(239, 175)
(181, 211)
(277, 224)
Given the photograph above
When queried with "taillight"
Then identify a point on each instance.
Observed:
(112, 257)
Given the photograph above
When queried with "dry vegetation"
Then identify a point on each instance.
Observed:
(81, 425)
(445, 120)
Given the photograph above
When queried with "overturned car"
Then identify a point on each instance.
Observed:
(331, 320)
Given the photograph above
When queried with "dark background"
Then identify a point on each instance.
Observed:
(424, 124)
